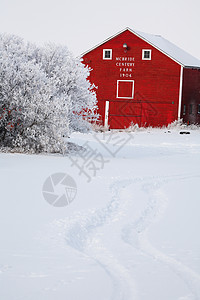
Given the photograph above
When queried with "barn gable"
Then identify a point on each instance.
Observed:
(157, 41)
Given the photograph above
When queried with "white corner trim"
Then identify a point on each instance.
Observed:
(180, 93)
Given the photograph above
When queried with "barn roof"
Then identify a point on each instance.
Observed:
(163, 45)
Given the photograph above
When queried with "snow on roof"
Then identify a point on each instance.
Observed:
(170, 49)
(163, 45)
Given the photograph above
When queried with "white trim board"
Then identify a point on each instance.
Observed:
(106, 114)
(180, 93)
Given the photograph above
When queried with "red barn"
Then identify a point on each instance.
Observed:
(144, 79)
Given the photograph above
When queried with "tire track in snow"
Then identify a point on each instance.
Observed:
(135, 234)
(81, 234)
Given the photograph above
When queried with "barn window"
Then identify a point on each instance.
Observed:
(107, 53)
(146, 54)
(125, 89)
(184, 109)
(190, 109)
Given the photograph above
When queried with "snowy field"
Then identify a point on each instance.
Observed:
(132, 231)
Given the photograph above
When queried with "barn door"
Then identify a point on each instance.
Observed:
(125, 109)
(122, 113)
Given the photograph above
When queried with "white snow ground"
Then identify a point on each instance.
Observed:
(132, 232)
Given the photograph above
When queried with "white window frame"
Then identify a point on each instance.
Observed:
(118, 89)
(104, 52)
(143, 50)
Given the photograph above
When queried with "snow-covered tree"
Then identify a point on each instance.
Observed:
(70, 77)
(43, 94)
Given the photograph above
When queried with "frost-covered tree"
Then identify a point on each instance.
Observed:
(43, 94)
(30, 119)
(70, 77)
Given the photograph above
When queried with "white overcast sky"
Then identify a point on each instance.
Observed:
(81, 24)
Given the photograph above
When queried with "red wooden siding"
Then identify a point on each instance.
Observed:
(155, 83)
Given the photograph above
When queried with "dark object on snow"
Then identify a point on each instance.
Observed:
(184, 132)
